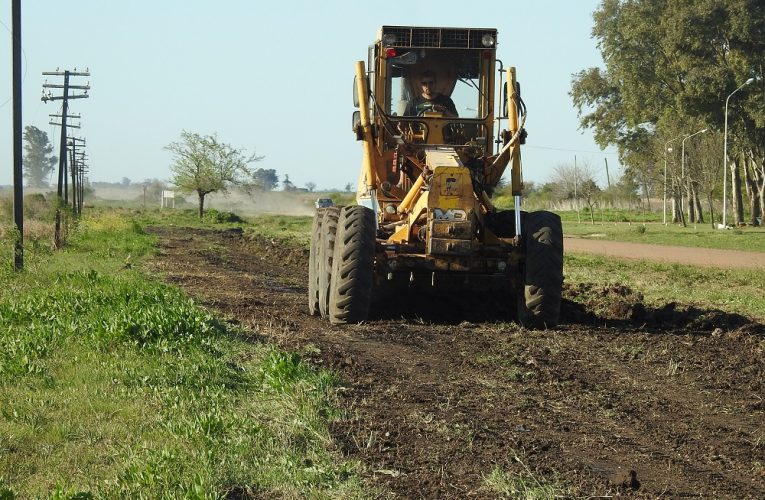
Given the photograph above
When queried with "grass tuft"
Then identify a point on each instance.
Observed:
(525, 484)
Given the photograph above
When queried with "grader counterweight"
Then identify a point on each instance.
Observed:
(424, 215)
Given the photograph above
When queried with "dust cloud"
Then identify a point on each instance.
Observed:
(237, 201)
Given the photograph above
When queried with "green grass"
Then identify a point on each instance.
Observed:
(525, 484)
(750, 239)
(609, 216)
(119, 386)
(294, 230)
(730, 290)
(646, 227)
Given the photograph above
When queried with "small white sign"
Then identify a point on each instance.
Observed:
(168, 199)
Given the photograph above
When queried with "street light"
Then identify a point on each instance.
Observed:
(682, 165)
(725, 157)
(666, 150)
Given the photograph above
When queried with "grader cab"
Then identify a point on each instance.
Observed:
(431, 159)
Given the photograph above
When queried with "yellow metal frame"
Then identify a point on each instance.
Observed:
(368, 160)
(377, 156)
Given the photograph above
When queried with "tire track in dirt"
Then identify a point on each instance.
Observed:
(433, 404)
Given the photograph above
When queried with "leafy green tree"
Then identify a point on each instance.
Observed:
(265, 179)
(38, 162)
(669, 67)
(203, 165)
(287, 184)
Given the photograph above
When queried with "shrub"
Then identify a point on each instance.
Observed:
(217, 217)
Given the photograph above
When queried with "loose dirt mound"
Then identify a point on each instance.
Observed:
(622, 399)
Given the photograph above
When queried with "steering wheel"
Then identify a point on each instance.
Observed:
(437, 108)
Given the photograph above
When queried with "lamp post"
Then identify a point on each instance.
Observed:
(682, 164)
(725, 157)
(667, 149)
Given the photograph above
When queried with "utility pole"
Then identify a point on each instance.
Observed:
(18, 187)
(79, 165)
(75, 160)
(68, 126)
(608, 177)
(82, 169)
(576, 197)
(62, 149)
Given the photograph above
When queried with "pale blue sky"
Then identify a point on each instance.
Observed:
(273, 77)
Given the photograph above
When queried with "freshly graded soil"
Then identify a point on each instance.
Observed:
(438, 391)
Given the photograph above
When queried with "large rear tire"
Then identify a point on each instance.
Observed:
(502, 223)
(326, 252)
(313, 264)
(539, 302)
(353, 266)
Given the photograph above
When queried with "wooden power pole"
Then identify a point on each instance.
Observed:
(62, 191)
(18, 178)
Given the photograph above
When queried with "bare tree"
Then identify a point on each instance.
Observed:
(575, 182)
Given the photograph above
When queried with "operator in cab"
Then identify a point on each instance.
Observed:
(430, 99)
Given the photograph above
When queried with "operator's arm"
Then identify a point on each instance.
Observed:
(451, 108)
(446, 106)
(410, 108)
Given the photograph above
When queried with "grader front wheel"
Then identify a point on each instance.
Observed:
(540, 299)
(313, 264)
(352, 266)
(326, 251)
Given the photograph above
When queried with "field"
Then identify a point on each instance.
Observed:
(652, 386)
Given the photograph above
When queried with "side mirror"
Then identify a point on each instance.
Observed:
(355, 94)
(504, 97)
(504, 101)
(356, 127)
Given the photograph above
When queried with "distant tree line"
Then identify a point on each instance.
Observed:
(669, 69)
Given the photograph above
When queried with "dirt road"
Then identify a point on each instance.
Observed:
(708, 257)
(619, 400)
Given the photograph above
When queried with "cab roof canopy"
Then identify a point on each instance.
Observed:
(447, 38)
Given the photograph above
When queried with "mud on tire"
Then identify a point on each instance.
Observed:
(539, 300)
(313, 264)
(353, 266)
(326, 251)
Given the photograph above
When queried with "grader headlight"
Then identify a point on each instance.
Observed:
(487, 40)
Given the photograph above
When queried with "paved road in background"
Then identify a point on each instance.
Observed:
(707, 257)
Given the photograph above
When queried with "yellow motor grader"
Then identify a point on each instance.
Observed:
(424, 215)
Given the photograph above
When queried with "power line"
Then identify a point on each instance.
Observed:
(26, 66)
(572, 150)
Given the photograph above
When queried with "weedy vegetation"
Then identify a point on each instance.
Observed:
(115, 385)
